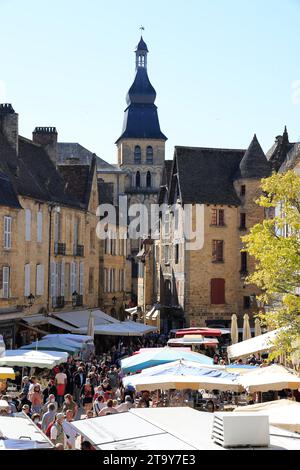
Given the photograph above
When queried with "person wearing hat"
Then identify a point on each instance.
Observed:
(57, 434)
(125, 406)
(25, 385)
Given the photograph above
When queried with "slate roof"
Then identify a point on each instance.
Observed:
(254, 163)
(32, 173)
(141, 118)
(166, 176)
(75, 154)
(205, 175)
(8, 196)
(279, 151)
(142, 46)
(79, 180)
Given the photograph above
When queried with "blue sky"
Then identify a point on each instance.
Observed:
(222, 69)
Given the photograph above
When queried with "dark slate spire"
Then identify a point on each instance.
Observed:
(277, 155)
(141, 118)
(254, 163)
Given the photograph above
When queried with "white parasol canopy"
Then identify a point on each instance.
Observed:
(274, 377)
(282, 413)
(257, 327)
(32, 358)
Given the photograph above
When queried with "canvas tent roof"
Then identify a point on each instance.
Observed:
(127, 328)
(16, 428)
(283, 414)
(169, 428)
(32, 358)
(274, 377)
(251, 346)
(80, 318)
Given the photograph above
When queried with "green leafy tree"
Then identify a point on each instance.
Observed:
(275, 246)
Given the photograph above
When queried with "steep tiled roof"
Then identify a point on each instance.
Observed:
(33, 174)
(205, 175)
(254, 163)
(279, 150)
(79, 179)
(106, 192)
(8, 196)
(75, 154)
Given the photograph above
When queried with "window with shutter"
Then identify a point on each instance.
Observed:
(6, 282)
(28, 225)
(62, 279)
(53, 279)
(73, 277)
(217, 291)
(217, 250)
(67, 281)
(7, 232)
(91, 280)
(39, 227)
(39, 279)
(81, 277)
(27, 280)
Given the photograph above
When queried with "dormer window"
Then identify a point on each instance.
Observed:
(137, 154)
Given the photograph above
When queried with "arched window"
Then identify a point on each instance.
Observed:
(149, 155)
(138, 179)
(148, 179)
(137, 154)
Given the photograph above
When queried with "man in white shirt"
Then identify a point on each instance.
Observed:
(70, 432)
(108, 410)
(125, 406)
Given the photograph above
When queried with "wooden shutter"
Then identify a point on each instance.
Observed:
(81, 277)
(28, 225)
(7, 232)
(57, 227)
(39, 227)
(62, 278)
(217, 291)
(53, 279)
(27, 280)
(39, 279)
(73, 277)
(6, 282)
(221, 217)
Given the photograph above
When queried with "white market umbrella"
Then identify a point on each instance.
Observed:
(246, 328)
(32, 358)
(273, 377)
(283, 414)
(91, 326)
(234, 329)
(257, 327)
(182, 375)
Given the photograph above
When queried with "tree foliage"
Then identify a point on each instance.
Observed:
(275, 246)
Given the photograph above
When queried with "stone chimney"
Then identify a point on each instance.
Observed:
(9, 125)
(47, 138)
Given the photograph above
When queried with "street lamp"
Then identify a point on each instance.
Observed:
(74, 298)
(31, 299)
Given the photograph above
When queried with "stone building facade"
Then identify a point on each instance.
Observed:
(205, 285)
(49, 255)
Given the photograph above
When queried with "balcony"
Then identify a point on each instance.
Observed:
(78, 250)
(58, 302)
(77, 300)
(59, 248)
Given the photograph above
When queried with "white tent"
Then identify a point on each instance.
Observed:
(182, 375)
(283, 414)
(17, 429)
(275, 377)
(164, 429)
(32, 358)
(127, 328)
(254, 345)
(80, 319)
(72, 337)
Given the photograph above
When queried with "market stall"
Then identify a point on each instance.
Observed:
(161, 356)
(41, 359)
(181, 375)
(274, 377)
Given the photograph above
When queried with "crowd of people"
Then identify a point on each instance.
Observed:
(77, 390)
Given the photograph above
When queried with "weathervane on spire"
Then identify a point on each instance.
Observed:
(142, 28)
